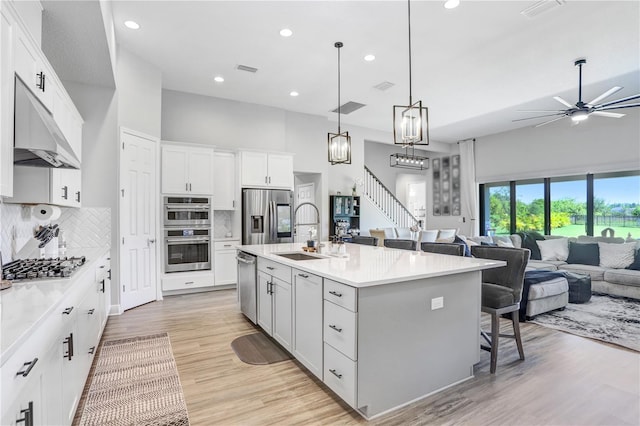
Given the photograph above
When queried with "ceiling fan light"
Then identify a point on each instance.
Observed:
(579, 116)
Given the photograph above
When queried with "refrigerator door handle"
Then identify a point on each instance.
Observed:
(272, 221)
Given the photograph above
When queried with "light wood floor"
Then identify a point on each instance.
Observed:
(565, 379)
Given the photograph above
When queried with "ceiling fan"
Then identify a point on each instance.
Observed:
(581, 110)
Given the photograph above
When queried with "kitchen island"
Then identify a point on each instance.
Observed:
(380, 327)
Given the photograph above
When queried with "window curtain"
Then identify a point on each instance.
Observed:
(468, 185)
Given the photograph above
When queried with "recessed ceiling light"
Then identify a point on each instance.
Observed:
(286, 32)
(369, 58)
(294, 93)
(218, 79)
(131, 24)
(451, 4)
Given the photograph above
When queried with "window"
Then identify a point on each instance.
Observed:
(616, 204)
(497, 209)
(530, 206)
(569, 206)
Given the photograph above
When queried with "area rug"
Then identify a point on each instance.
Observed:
(135, 383)
(258, 349)
(610, 319)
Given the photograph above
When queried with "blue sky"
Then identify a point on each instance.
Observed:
(613, 190)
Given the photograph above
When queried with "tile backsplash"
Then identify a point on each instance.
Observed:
(82, 228)
(222, 223)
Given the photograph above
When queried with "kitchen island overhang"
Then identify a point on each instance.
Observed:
(416, 321)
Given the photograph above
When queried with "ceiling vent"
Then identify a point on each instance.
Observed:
(384, 86)
(541, 7)
(349, 107)
(247, 68)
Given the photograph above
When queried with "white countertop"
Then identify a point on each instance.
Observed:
(366, 266)
(26, 304)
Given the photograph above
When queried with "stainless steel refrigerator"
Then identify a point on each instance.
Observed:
(267, 216)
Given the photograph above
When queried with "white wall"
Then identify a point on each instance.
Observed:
(560, 149)
(139, 87)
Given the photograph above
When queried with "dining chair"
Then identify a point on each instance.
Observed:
(368, 241)
(443, 248)
(502, 294)
(400, 243)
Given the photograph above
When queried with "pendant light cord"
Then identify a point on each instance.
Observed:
(409, 18)
(339, 45)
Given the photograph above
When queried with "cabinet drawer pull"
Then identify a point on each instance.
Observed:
(303, 275)
(271, 268)
(188, 282)
(333, 371)
(91, 311)
(335, 293)
(69, 342)
(67, 311)
(25, 372)
(227, 245)
(186, 186)
(336, 328)
(92, 349)
(65, 192)
(28, 415)
(108, 276)
(78, 196)
(102, 282)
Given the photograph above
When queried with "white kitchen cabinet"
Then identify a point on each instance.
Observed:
(266, 170)
(7, 35)
(224, 181)
(32, 68)
(186, 280)
(225, 265)
(307, 320)
(187, 170)
(103, 280)
(275, 302)
(35, 185)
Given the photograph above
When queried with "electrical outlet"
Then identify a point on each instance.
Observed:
(437, 303)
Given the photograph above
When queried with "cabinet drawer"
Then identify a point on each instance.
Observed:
(340, 294)
(182, 283)
(340, 374)
(307, 276)
(340, 329)
(226, 245)
(275, 269)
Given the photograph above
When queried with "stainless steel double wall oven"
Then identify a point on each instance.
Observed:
(187, 234)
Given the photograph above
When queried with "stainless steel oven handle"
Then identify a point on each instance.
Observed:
(186, 209)
(186, 240)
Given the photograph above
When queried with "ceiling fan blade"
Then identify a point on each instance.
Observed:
(539, 116)
(618, 107)
(608, 114)
(605, 95)
(562, 101)
(628, 98)
(547, 122)
(541, 110)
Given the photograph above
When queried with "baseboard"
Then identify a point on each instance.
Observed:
(116, 310)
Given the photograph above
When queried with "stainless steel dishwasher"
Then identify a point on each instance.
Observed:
(247, 285)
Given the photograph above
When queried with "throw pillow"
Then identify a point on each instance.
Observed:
(459, 240)
(636, 262)
(503, 240)
(529, 239)
(554, 249)
(584, 254)
(482, 243)
(445, 240)
(616, 256)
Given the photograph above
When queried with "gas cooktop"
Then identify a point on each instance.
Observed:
(35, 269)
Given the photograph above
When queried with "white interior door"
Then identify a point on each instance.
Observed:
(305, 193)
(138, 212)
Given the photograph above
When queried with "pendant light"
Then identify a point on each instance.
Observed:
(339, 143)
(410, 122)
(409, 160)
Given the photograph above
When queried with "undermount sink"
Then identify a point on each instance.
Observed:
(299, 256)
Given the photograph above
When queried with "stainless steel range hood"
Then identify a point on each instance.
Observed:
(38, 140)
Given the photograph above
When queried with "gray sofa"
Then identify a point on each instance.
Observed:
(617, 282)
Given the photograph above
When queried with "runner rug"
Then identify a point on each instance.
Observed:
(610, 319)
(135, 382)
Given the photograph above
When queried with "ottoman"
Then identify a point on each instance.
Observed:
(579, 287)
(544, 296)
